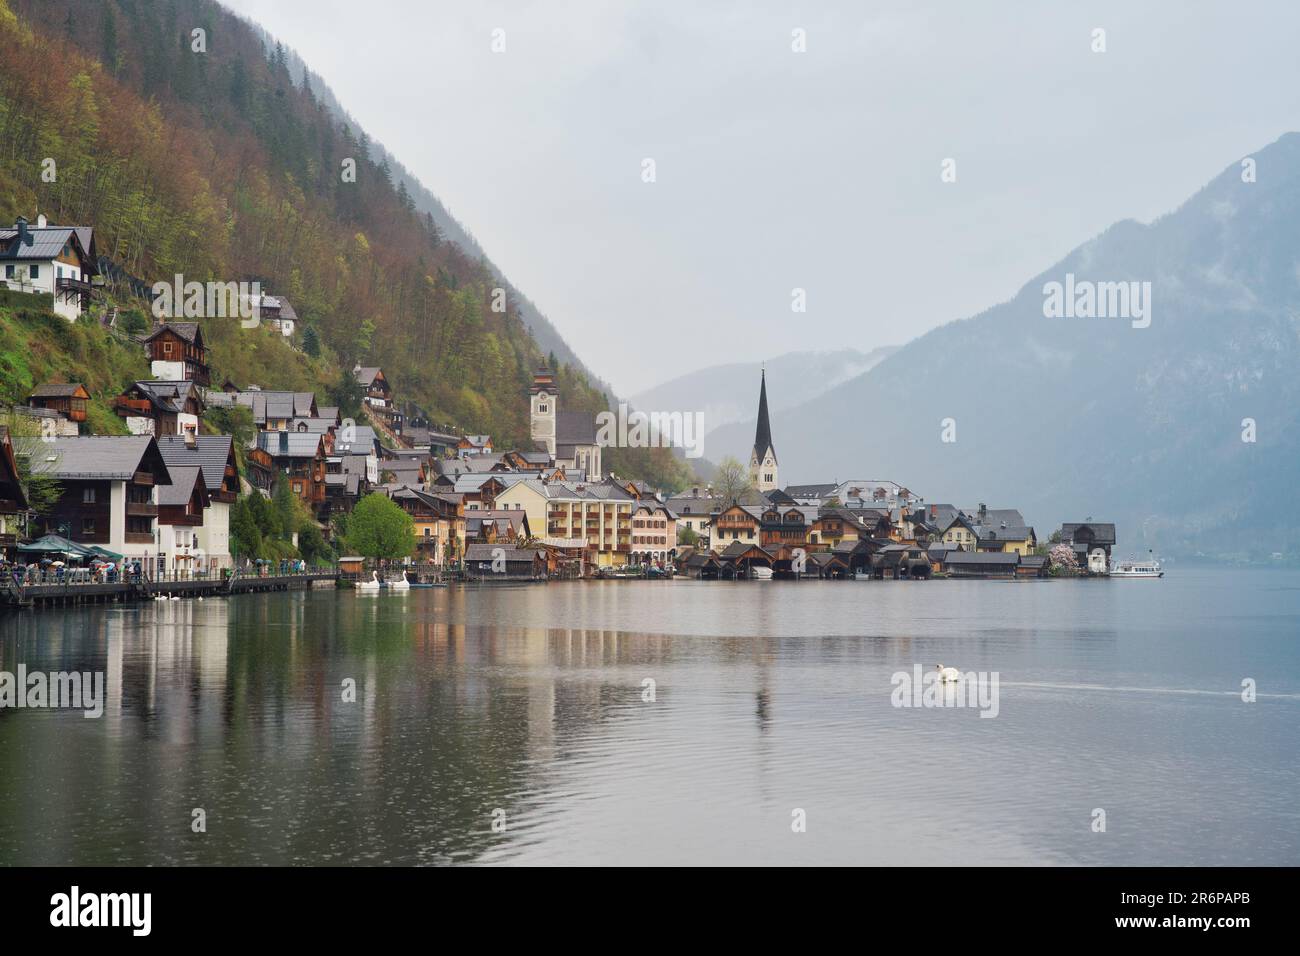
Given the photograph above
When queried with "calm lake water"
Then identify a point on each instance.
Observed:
(527, 703)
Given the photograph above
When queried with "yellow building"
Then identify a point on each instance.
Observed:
(600, 514)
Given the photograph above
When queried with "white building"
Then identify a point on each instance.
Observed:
(214, 457)
(108, 490)
(55, 260)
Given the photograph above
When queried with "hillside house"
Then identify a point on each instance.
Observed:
(67, 399)
(177, 352)
(167, 407)
(59, 261)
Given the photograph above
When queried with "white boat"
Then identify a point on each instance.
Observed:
(761, 573)
(401, 584)
(1133, 568)
(371, 585)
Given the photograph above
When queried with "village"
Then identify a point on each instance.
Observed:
(156, 504)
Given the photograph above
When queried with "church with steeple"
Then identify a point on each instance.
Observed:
(762, 460)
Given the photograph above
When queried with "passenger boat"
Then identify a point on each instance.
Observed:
(1133, 568)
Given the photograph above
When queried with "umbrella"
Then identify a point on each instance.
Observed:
(103, 553)
(54, 544)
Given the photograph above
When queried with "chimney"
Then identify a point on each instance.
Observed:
(24, 237)
(983, 512)
(934, 512)
(190, 440)
(41, 221)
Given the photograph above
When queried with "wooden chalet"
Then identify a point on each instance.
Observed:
(69, 399)
(182, 343)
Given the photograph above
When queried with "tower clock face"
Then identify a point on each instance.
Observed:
(541, 396)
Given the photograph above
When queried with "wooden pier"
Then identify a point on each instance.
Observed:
(69, 594)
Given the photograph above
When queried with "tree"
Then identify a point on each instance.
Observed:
(35, 472)
(688, 537)
(311, 341)
(312, 546)
(245, 536)
(1062, 559)
(379, 528)
(732, 481)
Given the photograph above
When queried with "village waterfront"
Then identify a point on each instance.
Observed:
(628, 722)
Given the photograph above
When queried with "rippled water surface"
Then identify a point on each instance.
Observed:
(526, 705)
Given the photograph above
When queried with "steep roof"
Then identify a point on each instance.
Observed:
(44, 242)
(763, 433)
(1103, 533)
(210, 453)
(57, 390)
(104, 458)
(810, 491)
(289, 444)
(189, 331)
(575, 428)
(181, 489)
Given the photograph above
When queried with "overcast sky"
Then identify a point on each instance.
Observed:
(779, 170)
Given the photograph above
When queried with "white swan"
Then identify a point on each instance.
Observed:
(401, 584)
(948, 675)
(371, 585)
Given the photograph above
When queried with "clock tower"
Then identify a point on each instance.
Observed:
(543, 399)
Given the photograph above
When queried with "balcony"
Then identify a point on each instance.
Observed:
(142, 478)
(141, 509)
(132, 406)
(139, 537)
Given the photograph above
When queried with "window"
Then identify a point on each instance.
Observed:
(541, 409)
(87, 526)
(34, 271)
(167, 348)
(9, 272)
(297, 487)
(87, 496)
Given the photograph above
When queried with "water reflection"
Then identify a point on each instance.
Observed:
(467, 702)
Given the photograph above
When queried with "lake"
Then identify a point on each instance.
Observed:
(515, 725)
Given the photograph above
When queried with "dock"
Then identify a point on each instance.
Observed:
(73, 593)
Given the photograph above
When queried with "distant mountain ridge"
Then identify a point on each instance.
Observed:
(1070, 418)
(729, 393)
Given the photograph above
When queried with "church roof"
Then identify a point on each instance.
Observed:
(763, 433)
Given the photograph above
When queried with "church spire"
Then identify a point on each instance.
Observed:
(763, 434)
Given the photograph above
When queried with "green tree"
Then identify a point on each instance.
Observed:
(311, 341)
(379, 528)
(245, 536)
(35, 472)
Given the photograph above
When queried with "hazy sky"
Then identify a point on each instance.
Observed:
(779, 170)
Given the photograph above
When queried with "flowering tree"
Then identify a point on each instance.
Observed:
(1062, 559)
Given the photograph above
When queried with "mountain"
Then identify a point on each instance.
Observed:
(1070, 418)
(446, 226)
(729, 393)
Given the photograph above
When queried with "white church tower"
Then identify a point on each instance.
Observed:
(544, 398)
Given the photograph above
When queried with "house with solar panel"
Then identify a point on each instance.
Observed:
(58, 261)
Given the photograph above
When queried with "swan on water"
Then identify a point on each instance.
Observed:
(371, 585)
(401, 584)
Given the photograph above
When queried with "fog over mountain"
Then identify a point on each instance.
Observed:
(1068, 418)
